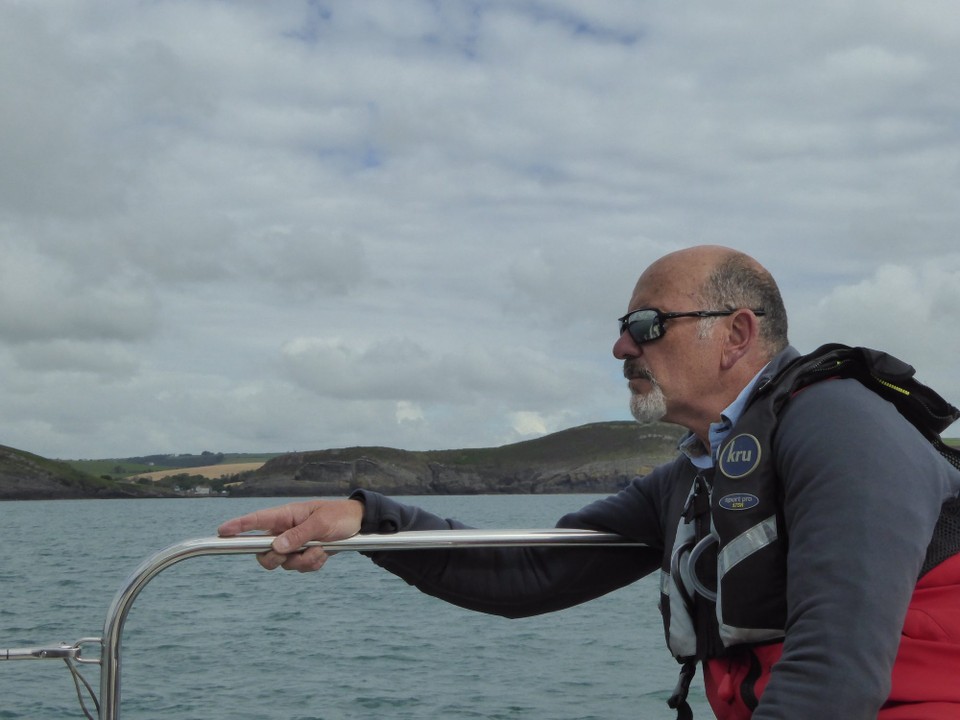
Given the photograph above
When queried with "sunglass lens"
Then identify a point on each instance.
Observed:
(643, 325)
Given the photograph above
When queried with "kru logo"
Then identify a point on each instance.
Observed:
(739, 501)
(740, 457)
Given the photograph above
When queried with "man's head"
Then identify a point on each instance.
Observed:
(714, 317)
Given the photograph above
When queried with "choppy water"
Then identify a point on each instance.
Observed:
(218, 637)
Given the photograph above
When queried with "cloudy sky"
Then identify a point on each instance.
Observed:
(271, 226)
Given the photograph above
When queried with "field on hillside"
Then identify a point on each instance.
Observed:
(211, 472)
(157, 466)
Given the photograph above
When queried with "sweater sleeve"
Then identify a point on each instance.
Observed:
(519, 582)
(862, 493)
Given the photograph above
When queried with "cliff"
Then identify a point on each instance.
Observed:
(30, 477)
(600, 457)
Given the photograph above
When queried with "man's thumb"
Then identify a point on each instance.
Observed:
(287, 542)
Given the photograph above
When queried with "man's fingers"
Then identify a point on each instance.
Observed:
(309, 560)
(295, 525)
(270, 560)
(231, 528)
(254, 521)
(315, 526)
(273, 521)
(287, 542)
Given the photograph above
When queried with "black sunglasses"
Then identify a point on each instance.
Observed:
(646, 324)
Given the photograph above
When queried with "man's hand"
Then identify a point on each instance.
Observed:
(296, 524)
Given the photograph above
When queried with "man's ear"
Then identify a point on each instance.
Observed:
(740, 336)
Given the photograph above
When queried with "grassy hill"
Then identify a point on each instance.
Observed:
(118, 468)
(593, 442)
(594, 457)
(24, 476)
(599, 457)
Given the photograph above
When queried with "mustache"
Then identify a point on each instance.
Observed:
(632, 370)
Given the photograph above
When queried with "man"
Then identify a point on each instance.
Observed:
(790, 533)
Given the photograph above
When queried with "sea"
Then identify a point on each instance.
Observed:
(218, 637)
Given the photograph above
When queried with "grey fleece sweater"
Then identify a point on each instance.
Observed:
(862, 493)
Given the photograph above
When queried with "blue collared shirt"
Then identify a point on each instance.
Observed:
(690, 444)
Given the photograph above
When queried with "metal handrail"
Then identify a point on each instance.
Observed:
(251, 544)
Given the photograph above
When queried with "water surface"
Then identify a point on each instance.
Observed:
(218, 637)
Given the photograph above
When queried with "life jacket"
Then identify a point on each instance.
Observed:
(723, 579)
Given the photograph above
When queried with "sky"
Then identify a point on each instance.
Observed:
(275, 226)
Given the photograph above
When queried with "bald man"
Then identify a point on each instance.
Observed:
(806, 536)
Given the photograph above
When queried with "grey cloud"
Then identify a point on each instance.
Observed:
(311, 261)
(394, 369)
(905, 309)
(109, 361)
(41, 299)
(460, 195)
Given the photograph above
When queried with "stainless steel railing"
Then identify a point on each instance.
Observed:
(251, 544)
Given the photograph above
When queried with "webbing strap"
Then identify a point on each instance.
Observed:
(678, 701)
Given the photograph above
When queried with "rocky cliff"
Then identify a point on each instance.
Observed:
(601, 457)
(30, 477)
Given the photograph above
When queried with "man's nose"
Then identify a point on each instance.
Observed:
(626, 347)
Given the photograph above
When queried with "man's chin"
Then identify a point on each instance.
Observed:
(648, 407)
(647, 416)
(648, 420)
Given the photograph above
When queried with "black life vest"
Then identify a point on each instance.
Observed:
(723, 579)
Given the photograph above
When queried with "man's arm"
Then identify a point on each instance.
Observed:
(518, 582)
(512, 582)
(863, 491)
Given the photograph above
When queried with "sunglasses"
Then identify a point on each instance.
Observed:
(646, 324)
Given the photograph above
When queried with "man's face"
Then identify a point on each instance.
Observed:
(666, 375)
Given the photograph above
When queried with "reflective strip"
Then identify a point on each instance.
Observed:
(747, 543)
(681, 636)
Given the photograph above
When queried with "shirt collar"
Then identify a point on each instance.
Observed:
(690, 444)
